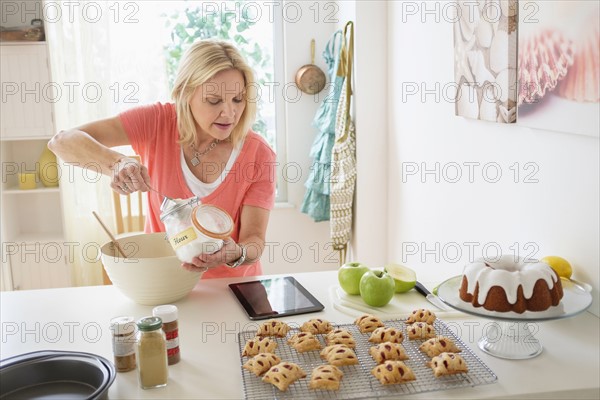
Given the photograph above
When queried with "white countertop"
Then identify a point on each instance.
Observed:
(77, 319)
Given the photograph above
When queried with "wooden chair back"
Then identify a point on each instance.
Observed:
(129, 217)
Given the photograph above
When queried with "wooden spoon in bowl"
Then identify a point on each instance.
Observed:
(114, 241)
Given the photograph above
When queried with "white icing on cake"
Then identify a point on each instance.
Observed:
(509, 272)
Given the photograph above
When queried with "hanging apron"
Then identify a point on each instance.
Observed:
(316, 197)
(343, 164)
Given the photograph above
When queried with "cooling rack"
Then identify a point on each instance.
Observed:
(358, 382)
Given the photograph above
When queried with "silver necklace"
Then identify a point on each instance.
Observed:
(196, 159)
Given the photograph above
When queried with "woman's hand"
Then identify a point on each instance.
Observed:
(129, 176)
(252, 236)
(230, 252)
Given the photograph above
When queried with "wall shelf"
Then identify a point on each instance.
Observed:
(23, 43)
(23, 138)
(38, 190)
(38, 237)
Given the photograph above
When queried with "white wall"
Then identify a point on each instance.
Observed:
(433, 226)
(295, 243)
(371, 115)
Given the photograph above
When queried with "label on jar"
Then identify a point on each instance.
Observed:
(123, 346)
(172, 342)
(183, 238)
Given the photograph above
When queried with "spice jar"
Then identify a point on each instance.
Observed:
(194, 228)
(123, 341)
(151, 351)
(168, 314)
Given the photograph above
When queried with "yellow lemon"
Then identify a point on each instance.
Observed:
(560, 265)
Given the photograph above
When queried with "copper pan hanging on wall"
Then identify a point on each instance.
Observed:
(310, 79)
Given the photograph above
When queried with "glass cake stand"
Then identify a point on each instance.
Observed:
(510, 337)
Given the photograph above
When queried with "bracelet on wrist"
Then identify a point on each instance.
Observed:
(240, 260)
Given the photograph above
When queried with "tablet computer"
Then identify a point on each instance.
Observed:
(275, 297)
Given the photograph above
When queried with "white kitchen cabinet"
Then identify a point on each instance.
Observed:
(27, 91)
(31, 220)
(37, 264)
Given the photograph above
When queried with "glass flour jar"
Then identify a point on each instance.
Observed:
(194, 228)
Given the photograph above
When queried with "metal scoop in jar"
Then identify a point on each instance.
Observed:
(165, 197)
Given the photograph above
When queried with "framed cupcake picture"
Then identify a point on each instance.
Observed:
(559, 66)
(485, 59)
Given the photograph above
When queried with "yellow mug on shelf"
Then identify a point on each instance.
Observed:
(27, 180)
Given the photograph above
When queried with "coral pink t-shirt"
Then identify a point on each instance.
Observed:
(153, 134)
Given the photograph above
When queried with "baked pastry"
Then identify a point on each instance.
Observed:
(388, 351)
(273, 328)
(283, 375)
(510, 284)
(420, 330)
(368, 323)
(304, 341)
(447, 364)
(316, 326)
(392, 372)
(339, 355)
(421, 315)
(326, 377)
(435, 346)
(259, 345)
(260, 363)
(383, 334)
(340, 336)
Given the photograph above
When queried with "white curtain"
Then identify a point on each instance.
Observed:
(104, 59)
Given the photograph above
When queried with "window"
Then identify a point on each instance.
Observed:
(167, 29)
(254, 30)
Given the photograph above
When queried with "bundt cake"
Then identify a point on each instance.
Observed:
(510, 284)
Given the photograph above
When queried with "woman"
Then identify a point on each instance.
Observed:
(200, 145)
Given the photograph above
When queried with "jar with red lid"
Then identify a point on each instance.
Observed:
(168, 315)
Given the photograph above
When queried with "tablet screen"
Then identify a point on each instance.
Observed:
(276, 297)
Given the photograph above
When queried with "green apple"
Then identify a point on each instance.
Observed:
(377, 288)
(349, 276)
(404, 277)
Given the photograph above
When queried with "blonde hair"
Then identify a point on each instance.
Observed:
(203, 60)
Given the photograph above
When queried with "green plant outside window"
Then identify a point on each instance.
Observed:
(234, 22)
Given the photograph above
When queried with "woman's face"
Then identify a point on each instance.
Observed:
(218, 104)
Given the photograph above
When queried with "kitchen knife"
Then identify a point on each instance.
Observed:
(433, 299)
